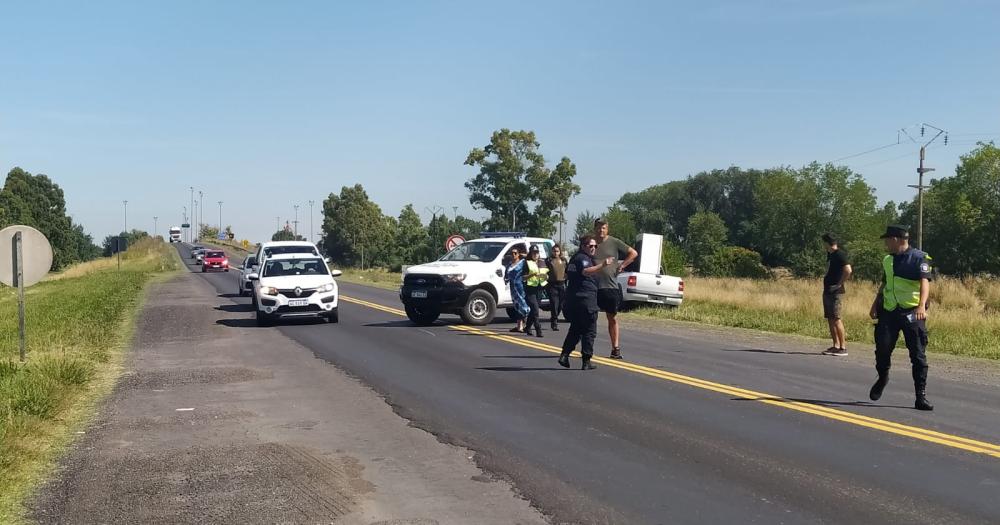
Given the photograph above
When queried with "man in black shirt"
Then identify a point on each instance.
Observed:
(837, 273)
(581, 302)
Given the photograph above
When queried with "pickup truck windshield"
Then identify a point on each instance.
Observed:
(475, 251)
(294, 267)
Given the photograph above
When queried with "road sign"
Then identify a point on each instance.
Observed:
(186, 225)
(453, 242)
(221, 236)
(246, 244)
(36, 254)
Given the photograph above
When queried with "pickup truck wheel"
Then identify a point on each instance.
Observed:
(479, 309)
(422, 316)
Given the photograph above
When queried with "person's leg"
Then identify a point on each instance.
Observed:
(573, 336)
(886, 336)
(832, 324)
(555, 303)
(841, 334)
(915, 335)
(589, 336)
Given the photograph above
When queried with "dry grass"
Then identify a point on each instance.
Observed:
(964, 317)
(377, 278)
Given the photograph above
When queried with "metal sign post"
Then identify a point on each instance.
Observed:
(18, 279)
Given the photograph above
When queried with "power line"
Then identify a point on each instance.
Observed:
(873, 150)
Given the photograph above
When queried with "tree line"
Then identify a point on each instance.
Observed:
(724, 222)
(36, 201)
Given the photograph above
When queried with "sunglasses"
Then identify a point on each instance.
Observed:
(591, 246)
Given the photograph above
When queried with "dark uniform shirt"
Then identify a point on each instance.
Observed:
(582, 288)
(912, 264)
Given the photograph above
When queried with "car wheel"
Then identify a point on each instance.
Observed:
(264, 319)
(479, 309)
(422, 316)
(203, 270)
(333, 316)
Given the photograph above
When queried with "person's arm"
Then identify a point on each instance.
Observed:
(591, 270)
(873, 313)
(632, 255)
(925, 293)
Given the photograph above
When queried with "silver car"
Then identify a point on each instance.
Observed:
(248, 267)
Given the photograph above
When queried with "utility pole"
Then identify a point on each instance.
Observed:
(154, 225)
(277, 223)
(920, 182)
(454, 209)
(311, 238)
(184, 216)
(562, 221)
(125, 206)
(201, 210)
(220, 216)
(193, 215)
(296, 221)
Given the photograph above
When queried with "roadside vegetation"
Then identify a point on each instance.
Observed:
(79, 324)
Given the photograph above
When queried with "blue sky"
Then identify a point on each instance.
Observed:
(264, 105)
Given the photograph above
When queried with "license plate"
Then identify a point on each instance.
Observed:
(419, 294)
(298, 302)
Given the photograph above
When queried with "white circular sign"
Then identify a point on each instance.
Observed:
(36, 255)
(453, 242)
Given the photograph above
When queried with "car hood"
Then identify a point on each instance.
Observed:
(291, 281)
(445, 267)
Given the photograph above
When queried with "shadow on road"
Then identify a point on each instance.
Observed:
(762, 351)
(517, 369)
(395, 324)
(521, 356)
(230, 295)
(238, 323)
(821, 402)
(235, 308)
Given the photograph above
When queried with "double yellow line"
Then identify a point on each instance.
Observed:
(923, 434)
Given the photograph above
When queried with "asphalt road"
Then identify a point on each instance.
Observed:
(690, 429)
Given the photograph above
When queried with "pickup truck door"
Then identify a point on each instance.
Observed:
(497, 278)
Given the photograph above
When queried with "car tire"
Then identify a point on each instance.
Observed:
(333, 317)
(479, 309)
(422, 316)
(263, 319)
(203, 270)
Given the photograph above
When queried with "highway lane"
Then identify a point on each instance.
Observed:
(626, 445)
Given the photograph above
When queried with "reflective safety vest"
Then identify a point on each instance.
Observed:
(902, 279)
(537, 277)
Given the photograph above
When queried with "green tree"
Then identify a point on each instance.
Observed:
(513, 176)
(734, 261)
(285, 234)
(208, 232)
(962, 215)
(111, 244)
(706, 235)
(621, 225)
(355, 232)
(411, 238)
(584, 226)
(674, 259)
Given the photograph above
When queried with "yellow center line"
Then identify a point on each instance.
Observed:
(949, 440)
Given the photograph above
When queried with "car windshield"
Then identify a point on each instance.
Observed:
(294, 267)
(278, 250)
(215, 255)
(250, 261)
(475, 251)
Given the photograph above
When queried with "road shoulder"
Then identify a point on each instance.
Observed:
(218, 421)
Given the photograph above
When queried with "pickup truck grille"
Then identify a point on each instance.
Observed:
(423, 280)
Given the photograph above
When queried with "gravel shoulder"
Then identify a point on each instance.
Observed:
(217, 421)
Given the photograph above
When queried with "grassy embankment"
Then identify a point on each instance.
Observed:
(79, 324)
(964, 318)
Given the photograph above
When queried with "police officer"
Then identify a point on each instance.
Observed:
(581, 301)
(901, 306)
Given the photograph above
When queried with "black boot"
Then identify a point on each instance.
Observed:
(564, 360)
(587, 364)
(876, 392)
(922, 403)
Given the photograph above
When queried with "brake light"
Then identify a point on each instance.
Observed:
(681, 286)
(631, 280)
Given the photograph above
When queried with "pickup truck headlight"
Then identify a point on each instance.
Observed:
(326, 288)
(268, 290)
(454, 277)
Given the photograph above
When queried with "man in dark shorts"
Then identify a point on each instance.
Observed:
(609, 294)
(837, 273)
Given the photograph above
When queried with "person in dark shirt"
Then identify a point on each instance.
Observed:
(838, 271)
(581, 304)
(557, 284)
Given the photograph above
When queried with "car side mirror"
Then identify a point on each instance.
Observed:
(327, 259)
(253, 277)
(336, 273)
(499, 272)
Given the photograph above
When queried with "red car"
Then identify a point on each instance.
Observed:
(214, 260)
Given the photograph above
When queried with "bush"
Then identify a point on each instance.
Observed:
(674, 261)
(866, 260)
(809, 263)
(734, 261)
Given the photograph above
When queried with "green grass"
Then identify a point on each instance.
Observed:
(377, 278)
(79, 324)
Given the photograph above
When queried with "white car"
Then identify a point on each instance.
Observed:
(294, 285)
(468, 281)
(245, 284)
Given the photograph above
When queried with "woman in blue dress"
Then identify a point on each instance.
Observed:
(515, 277)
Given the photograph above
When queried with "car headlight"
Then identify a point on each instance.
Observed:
(328, 287)
(454, 277)
(268, 290)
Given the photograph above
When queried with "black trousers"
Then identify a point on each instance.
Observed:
(582, 328)
(887, 330)
(532, 295)
(557, 299)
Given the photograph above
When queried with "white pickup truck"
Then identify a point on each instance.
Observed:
(643, 282)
